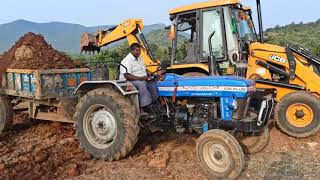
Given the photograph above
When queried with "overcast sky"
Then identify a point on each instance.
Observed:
(105, 12)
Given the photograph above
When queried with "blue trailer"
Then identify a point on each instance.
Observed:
(45, 94)
(43, 84)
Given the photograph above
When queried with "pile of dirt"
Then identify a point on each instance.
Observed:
(31, 51)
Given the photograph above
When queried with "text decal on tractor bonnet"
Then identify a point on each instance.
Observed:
(277, 58)
(208, 88)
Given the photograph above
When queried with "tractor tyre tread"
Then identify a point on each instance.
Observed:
(127, 115)
(285, 103)
(261, 142)
(235, 151)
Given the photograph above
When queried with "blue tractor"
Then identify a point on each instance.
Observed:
(229, 113)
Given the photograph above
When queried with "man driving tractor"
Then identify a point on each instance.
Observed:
(134, 70)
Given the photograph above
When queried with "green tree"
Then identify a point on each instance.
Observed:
(306, 35)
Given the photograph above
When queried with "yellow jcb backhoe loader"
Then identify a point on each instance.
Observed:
(225, 27)
(224, 31)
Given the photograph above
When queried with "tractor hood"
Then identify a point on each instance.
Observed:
(205, 86)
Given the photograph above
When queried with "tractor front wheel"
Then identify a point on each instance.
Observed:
(6, 114)
(220, 154)
(297, 114)
(106, 124)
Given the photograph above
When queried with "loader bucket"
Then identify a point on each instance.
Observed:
(89, 43)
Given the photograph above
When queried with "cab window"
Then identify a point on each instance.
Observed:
(212, 23)
(187, 46)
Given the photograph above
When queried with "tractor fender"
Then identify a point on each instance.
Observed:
(124, 87)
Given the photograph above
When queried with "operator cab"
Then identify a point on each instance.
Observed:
(232, 28)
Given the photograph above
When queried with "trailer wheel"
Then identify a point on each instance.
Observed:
(297, 114)
(6, 114)
(220, 154)
(254, 144)
(106, 124)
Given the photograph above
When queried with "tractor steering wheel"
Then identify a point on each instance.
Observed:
(155, 75)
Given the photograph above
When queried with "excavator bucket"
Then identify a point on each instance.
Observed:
(89, 43)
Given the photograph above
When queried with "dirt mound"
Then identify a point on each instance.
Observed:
(31, 51)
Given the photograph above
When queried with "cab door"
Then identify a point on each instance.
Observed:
(211, 20)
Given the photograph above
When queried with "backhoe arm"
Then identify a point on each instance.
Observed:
(128, 29)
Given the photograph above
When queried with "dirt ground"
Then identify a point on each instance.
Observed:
(44, 150)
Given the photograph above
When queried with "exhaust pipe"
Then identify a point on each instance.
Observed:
(212, 63)
(260, 21)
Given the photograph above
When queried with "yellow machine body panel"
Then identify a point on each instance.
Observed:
(203, 5)
(276, 55)
(188, 66)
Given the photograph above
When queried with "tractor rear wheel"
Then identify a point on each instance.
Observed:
(106, 124)
(6, 114)
(297, 114)
(254, 144)
(220, 154)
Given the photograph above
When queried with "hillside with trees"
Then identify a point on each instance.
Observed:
(306, 35)
(62, 36)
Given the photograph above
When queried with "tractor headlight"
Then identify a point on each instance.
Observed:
(234, 105)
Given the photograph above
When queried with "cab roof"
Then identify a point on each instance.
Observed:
(203, 5)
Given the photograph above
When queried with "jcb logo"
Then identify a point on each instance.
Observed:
(278, 58)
